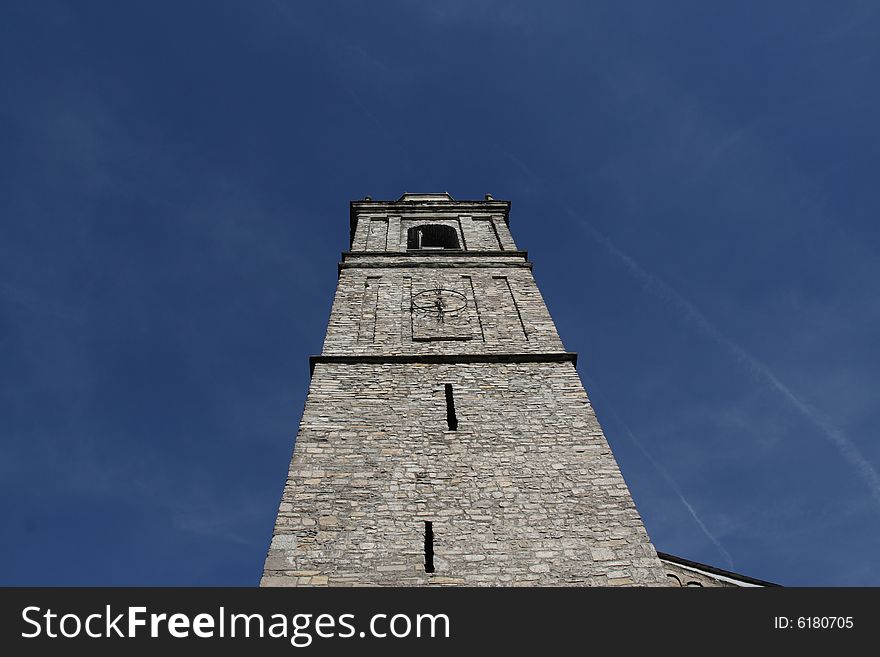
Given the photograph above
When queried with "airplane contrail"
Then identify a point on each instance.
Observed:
(670, 481)
(691, 313)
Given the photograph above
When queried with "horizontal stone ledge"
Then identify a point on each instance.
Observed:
(430, 253)
(445, 207)
(394, 359)
(455, 264)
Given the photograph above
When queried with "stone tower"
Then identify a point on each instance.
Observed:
(446, 437)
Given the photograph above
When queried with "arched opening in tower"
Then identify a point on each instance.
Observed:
(431, 236)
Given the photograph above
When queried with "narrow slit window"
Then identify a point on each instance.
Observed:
(451, 420)
(429, 546)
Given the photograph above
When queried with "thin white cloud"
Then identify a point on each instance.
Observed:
(663, 472)
(866, 471)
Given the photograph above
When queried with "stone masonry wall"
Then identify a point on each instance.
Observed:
(525, 492)
(387, 232)
(372, 312)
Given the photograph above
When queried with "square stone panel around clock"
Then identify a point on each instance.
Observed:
(442, 309)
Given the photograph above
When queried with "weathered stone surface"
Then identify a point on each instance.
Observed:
(524, 491)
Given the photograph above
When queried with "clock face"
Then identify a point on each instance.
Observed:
(439, 303)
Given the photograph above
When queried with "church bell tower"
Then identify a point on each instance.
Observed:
(446, 438)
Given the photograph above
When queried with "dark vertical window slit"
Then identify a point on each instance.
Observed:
(429, 546)
(451, 420)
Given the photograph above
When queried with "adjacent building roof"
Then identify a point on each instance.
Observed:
(692, 573)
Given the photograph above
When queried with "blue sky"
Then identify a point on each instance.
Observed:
(695, 182)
